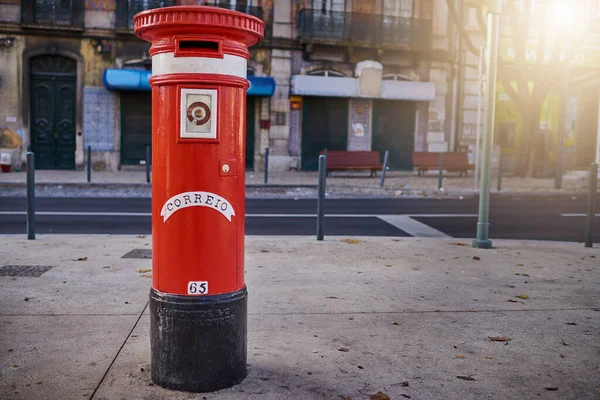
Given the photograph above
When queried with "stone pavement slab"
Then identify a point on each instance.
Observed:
(408, 317)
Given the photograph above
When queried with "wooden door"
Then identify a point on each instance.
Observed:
(52, 125)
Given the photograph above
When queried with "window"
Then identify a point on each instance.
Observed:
(326, 72)
(328, 5)
(398, 8)
(395, 77)
(52, 12)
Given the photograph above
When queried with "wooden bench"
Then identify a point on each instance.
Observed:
(338, 160)
(425, 161)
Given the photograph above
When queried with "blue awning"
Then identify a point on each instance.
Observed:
(130, 79)
(261, 86)
(126, 79)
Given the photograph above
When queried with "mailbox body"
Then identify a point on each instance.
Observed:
(198, 300)
(199, 61)
(198, 243)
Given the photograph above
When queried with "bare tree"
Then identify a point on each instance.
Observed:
(527, 80)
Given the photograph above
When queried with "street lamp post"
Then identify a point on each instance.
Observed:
(562, 128)
(482, 240)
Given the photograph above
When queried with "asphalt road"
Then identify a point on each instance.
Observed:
(511, 217)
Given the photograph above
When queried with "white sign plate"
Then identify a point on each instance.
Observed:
(197, 287)
(198, 114)
(197, 199)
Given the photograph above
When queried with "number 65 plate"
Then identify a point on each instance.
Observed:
(197, 288)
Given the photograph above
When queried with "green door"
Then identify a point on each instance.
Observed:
(394, 130)
(250, 122)
(53, 81)
(136, 126)
(324, 126)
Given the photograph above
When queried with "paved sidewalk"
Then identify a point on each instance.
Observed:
(302, 183)
(411, 318)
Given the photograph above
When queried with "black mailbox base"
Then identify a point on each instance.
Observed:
(198, 343)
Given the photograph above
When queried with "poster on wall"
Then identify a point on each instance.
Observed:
(358, 129)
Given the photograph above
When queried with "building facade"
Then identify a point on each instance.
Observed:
(330, 74)
(75, 77)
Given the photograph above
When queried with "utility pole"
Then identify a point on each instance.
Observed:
(491, 55)
(478, 129)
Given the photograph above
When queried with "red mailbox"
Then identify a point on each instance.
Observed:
(198, 296)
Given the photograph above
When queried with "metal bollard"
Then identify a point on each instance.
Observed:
(321, 198)
(266, 165)
(441, 173)
(385, 164)
(147, 164)
(500, 173)
(30, 196)
(591, 211)
(89, 164)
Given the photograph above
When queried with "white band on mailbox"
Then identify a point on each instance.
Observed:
(167, 63)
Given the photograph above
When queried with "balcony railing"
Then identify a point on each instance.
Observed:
(126, 9)
(52, 13)
(364, 29)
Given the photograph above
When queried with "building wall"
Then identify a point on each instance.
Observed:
(10, 90)
(277, 127)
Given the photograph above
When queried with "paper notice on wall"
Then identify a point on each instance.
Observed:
(11, 118)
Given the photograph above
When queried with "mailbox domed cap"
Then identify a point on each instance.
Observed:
(169, 22)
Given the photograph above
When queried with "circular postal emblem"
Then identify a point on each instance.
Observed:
(198, 113)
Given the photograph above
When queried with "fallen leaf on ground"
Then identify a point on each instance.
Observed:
(379, 396)
(459, 244)
(571, 323)
(388, 265)
(522, 296)
(80, 259)
(551, 388)
(564, 343)
(142, 236)
(520, 265)
(598, 390)
(499, 338)
(460, 356)
(143, 270)
(489, 357)
(147, 276)
(405, 395)
(351, 241)
(394, 323)
(345, 398)
(395, 240)
(344, 349)
(476, 258)
(402, 384)
(127, 302)
(465, 378)
(331, 297)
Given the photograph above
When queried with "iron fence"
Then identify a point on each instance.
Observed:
(56, 13)
(365, 29)
(126, 9)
